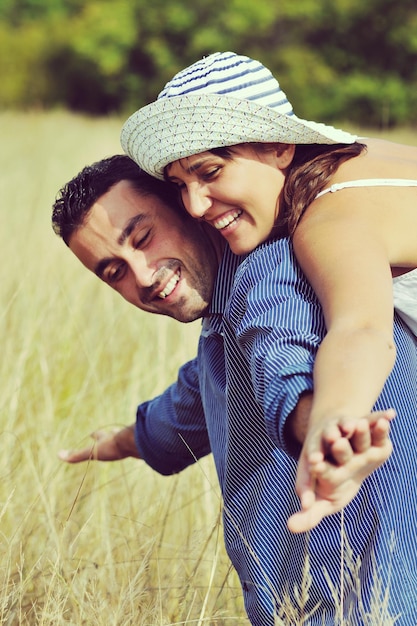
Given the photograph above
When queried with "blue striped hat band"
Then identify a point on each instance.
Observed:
(222, 100)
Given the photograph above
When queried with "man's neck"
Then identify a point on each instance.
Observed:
(217, 241)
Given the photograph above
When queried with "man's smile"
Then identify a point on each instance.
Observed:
(170, 286)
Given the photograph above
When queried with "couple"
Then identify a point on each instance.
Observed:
(259, 337)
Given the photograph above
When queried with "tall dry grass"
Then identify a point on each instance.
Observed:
(103, 544)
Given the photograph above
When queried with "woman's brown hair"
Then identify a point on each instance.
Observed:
(309, 172)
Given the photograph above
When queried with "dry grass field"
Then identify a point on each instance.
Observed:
(103, 544)
(94, 544)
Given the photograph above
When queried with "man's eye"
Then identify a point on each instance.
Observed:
(141, 240)
(114, 273)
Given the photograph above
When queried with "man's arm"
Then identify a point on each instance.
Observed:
(170, 432)
(296, 426)
(279, 325)
(114, 445)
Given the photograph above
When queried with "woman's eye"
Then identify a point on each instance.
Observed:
(212, 173)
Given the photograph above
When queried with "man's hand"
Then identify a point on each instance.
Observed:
(115, 445)
(326, 482)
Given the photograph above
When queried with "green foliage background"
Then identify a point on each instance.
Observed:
(336, 59)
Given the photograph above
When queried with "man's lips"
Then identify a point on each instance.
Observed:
(170, 286)
(225, 220)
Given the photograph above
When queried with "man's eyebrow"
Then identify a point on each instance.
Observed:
(128, 229)
(130, 226)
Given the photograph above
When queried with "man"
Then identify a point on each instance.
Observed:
(245, 398)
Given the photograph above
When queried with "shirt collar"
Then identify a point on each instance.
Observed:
(224, 281)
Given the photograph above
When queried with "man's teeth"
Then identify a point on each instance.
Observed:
(170, 286)
(225, 221)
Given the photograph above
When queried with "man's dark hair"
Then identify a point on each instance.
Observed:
(75, 199)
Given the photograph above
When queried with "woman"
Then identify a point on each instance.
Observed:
(225, 133)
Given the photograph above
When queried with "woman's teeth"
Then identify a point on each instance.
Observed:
(169, 287)
(225, 221)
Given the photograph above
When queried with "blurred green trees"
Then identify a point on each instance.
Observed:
(336, 59)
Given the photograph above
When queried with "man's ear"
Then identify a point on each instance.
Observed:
(285, 154)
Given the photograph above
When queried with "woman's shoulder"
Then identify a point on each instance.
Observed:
(397, 155)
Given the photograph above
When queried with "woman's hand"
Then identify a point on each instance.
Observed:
(328, 481)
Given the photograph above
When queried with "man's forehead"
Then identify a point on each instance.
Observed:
(123, 200)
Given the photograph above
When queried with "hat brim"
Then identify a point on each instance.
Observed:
(173, 128)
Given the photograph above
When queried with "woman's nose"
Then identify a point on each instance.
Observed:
(198, 202)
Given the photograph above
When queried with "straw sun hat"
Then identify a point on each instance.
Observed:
(222, 100)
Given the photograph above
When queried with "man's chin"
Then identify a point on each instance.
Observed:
(187, 314)
(186, 318)
(185, 309)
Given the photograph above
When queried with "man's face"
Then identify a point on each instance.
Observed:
(143, 249)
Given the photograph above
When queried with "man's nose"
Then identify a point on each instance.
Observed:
(142, 273)
(198, 202)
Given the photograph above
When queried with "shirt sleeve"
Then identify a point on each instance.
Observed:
(171, 430)
(278, 324)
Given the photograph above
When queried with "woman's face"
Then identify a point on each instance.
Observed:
(237, 195)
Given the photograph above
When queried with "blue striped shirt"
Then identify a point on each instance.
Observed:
(233, 400)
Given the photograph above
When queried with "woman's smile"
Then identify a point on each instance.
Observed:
(226, 220)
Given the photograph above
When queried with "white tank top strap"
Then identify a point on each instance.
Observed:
(369, 182)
